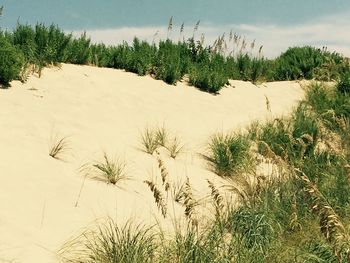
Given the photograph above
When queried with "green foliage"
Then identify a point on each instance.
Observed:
(309, 62)
(169, 62)
(208, 68)
(210, 75)
(229, 154)
(78, 50)
(50, 44)
(101, 56)
(11, 62)
(111, 243)
(343, 85)
(140, 57)
(24, 38)
(252, 228)
(290, 139)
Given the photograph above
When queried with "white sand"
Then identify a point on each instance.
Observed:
(105, 110)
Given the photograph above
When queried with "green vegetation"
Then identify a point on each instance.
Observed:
(110, 243)
(208, 68)
(11, 62)
(153, 138)
(343, 85)
(230, 154)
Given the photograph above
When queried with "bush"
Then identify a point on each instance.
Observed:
(343, 85)
(209, 76)
(101, 56)
(141, 57)
(24, 38)
(309, 62)
(78, 50)
(168, 63)
(11, 62)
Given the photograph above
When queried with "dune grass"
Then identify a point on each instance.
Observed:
(110, 243)
(111, 170)
(153, 138)
(58, 147)
(229, 154)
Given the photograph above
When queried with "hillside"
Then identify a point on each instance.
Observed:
(45, 201)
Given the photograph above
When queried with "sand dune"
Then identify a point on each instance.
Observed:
(101, 110)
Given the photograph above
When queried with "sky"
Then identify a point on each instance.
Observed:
(275, 24)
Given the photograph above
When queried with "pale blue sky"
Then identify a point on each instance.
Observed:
(88, 14)
(276, 24)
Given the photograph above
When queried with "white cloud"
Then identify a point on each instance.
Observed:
(331, 31)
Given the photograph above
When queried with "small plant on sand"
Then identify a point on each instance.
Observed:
(110, 170)
(150, 140)
(153, 138)
(58, 147)
(161, 135)
(174, 147)
(229, 154)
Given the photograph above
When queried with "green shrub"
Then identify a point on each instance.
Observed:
(121, 56)
(309, 62)
(24, 38)
(141, 57)
(209, 76)
(101, 56)
(78, 50)
(168, 63)
(11, 62)
(343, 85)
(244, 66)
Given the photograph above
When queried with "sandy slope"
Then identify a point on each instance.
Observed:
(105, 110)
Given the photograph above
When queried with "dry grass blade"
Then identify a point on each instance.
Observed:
(158, 197)
(163, 173)
(189, 202)
(217, 198)
(175, 147)
(161, 135)
(58, 147)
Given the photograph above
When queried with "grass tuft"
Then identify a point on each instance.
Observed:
(174, 147)
(58, 147)
(111, 170)
(230, 154)
(111, 243)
